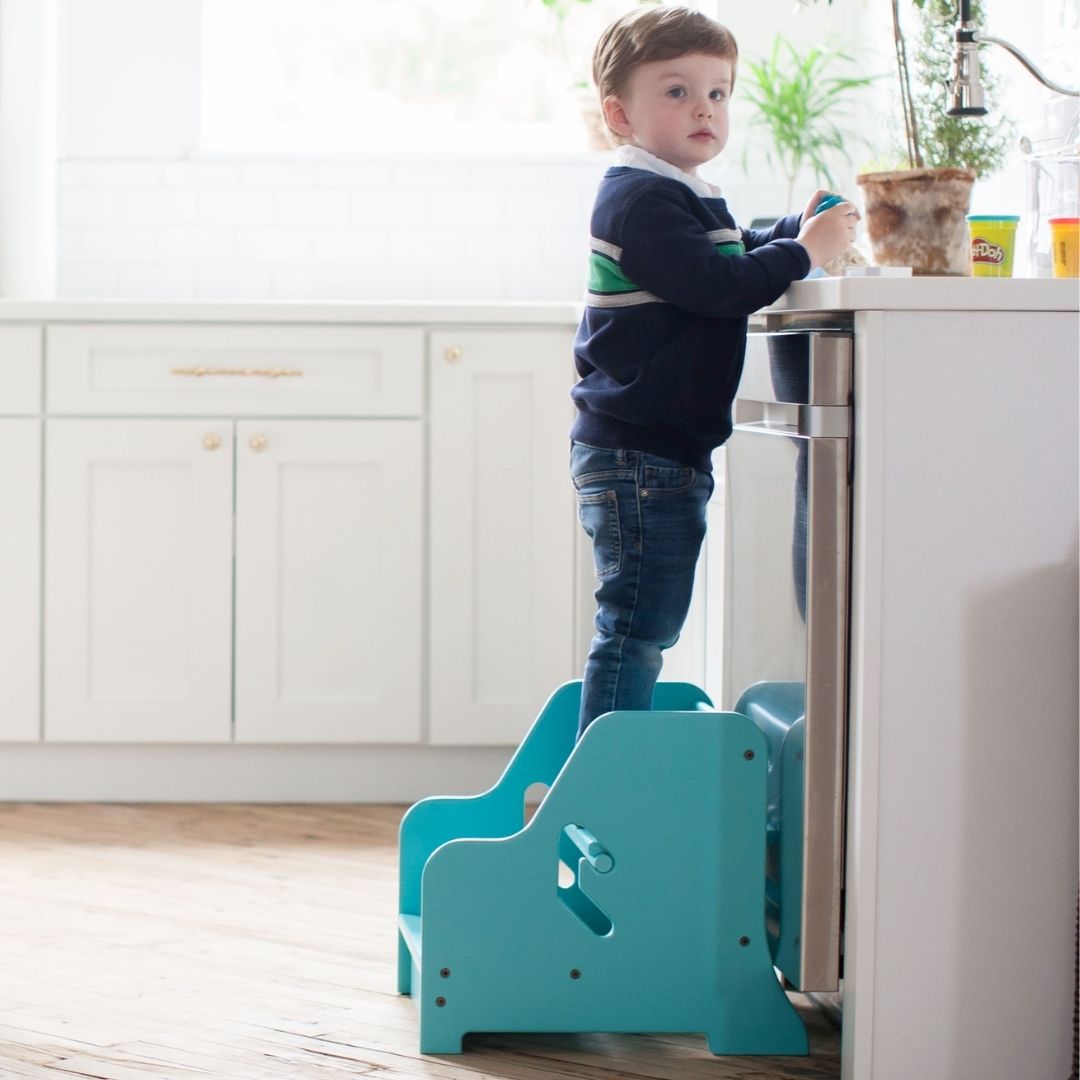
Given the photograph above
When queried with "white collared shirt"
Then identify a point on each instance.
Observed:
(634, 157)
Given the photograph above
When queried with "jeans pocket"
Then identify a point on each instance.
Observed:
(599, 516)
(668, 479)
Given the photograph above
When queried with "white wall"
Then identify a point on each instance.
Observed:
(129, 78)
(142, 212)
(28, 111)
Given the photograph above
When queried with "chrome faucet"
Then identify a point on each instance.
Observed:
(965, 84)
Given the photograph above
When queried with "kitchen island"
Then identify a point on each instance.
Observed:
(962, 757)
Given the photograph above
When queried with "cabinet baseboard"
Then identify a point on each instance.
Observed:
(255, 774)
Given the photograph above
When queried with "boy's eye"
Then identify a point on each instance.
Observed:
(718, 95)
(677, 92)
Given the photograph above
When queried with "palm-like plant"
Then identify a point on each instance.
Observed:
(802, 106)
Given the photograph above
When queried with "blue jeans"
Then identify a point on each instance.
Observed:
(645, 516)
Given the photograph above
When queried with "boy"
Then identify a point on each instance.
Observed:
(660, 348)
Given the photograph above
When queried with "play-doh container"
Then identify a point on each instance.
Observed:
(993, 241)
(1065, 246)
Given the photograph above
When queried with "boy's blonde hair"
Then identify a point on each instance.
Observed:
(661, 33)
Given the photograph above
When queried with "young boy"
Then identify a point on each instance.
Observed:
(660, 348)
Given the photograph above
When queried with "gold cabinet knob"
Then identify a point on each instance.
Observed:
(211, 441)
(453, 353)
(258, 443)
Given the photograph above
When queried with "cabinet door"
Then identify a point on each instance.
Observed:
(138, 576)
(502, 531)
(20, 579)
(329, 571)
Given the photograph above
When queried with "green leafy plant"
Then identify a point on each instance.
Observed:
(803, 108)
(944, 141)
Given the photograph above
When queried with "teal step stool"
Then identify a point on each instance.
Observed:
(632, 901)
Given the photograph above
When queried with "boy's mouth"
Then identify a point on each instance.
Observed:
(704, 135)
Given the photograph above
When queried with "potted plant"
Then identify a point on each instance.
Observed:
(802, 108)
(917, 216)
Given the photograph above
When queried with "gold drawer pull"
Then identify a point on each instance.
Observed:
(264, 373)
(211, 441)
(258, 443)
(453, 353)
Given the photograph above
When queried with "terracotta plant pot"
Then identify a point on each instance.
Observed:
(917, 218)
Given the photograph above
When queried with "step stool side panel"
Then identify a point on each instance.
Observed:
(675, 801)
(499, 811)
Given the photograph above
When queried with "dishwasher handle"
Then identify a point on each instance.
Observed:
(791, 419)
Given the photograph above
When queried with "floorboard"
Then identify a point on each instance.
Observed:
(236, 942)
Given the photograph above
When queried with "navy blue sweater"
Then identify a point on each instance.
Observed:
(672, 280)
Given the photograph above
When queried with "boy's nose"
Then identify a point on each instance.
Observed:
(704, 109)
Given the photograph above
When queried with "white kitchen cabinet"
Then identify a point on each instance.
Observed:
(138, 580)
(20, 578)
(180, 369)
(329, 527)
(502, 530)
(20, 369)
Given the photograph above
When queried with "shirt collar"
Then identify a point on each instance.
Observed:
(634, 157)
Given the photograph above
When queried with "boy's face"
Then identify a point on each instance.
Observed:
(676, 109)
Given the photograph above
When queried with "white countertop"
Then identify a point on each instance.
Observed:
(931, 294)
(286, 311)
(819, 294)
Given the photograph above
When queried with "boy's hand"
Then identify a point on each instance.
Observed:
(829, 233)
(811, 206)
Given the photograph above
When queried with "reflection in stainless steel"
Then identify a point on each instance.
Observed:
(785, 631)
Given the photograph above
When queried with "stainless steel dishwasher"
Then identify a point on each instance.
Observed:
(785, 662)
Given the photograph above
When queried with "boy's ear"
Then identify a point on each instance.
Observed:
(616, 117)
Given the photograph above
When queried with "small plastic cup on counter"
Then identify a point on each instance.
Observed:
(1065, 246)
(993, 241)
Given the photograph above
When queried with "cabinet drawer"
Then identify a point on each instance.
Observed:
(238, 370)
(20, 370)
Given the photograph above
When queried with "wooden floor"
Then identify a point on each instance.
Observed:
(254, 942)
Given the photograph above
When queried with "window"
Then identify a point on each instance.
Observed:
(355, 76)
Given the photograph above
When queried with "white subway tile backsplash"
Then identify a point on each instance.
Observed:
(531, 282)
(275, 246)
(357, 247)
(119, 244)
(486, 247)
(121, 173)
(236, 206)
(200, 174)
(314, 283)
(562, 245)
(468, 282)
(404, 228)
(428, 175)
(433, 246)
(266, 175)
(234, 282)
(341, 174)
(71, 174)
(89, 206)
(394, 283)
(158, 206)
(467, 207)
(68, 245)
(86, 281)
(390, 208)
(157, 282)
(311, 206)
(197, 245)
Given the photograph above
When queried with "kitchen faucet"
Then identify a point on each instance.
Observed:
(965, 84)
